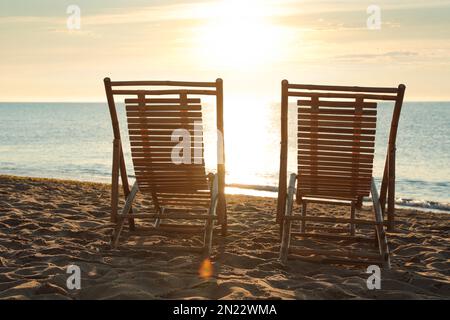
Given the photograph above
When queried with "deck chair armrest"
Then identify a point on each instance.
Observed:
(290, 194)
(129, 201)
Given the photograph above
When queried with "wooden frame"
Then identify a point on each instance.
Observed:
(396, 95)
(335, 153)
(217, 208)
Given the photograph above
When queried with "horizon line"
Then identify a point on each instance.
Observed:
(104, 101)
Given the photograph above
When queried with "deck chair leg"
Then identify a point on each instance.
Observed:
(303, 225)
(287, 222)
(359, 203)
(376, 238)
(122, 217)
(224, 217)
(131, 224)
(285, 238)
(115, 181)
(158, 220)
(116, 233)
(381, 234)
(209, 226)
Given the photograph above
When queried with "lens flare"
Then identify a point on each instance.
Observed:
(206, 269)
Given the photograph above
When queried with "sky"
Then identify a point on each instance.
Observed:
(251, 44)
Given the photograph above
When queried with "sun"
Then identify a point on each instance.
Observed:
(237, 35)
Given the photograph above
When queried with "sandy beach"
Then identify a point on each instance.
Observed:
(46, 225)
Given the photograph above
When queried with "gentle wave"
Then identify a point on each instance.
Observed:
(423, 204)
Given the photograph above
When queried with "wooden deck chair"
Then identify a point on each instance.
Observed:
(336, 140)
(171, 174)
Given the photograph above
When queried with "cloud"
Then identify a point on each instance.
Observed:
(376, 57)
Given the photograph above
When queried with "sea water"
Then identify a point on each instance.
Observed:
(74, 141)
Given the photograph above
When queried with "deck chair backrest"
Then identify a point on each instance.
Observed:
(362, 96)
(166, 137)
(158, 114)
(335, 147)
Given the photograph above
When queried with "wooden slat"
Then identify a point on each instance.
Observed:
(160, 100)
(169, 120)
(182, 216)
(343, 88)
(322, 201)
(353, 155)
(165, 154)
(318, 126)
(172, 189)
(335, 104)
(313, 180)
(340, 158)
(324, 129)
(175, 197)
(156, 173)
(331, 192)
(312, 163)
(321, 142)
(200, 194)
(340, 137)
(348, 172)
(306, 189)
(164, 92)
(168, 167)
(152, 138)
(163, 83)
(342, 95)
(164, 114)
(327, 193)
(132, 110)
(158, 131)
(338, 170)
(303, 146)
(335, 195)
(153, 145)
(350, 119)
(173, 180)
(162, 126)
(330, 178)
(166, 150)
(176, 183)
(166, 203)
(336, 112)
